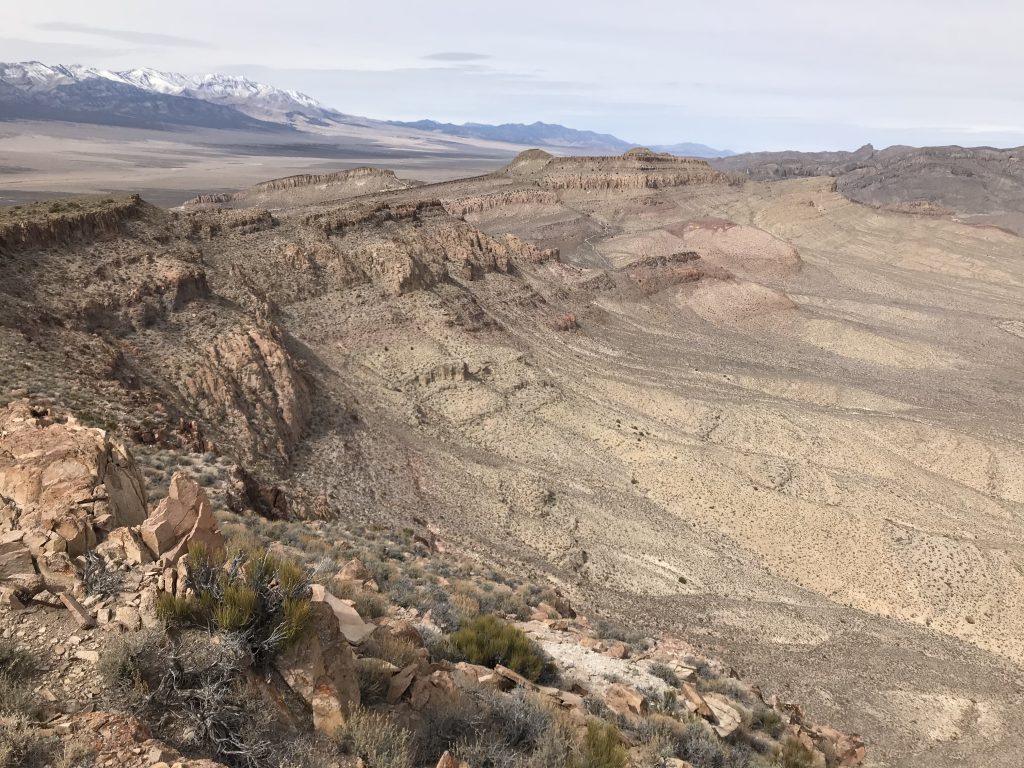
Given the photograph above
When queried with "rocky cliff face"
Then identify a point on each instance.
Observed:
(404, 248)
(307, 187)
(636, 169)
(464, 206)
(249, 382)
(59, 222)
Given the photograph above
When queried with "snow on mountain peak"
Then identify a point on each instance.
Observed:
(248, 96)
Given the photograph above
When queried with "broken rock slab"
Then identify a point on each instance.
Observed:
(184, 517)
(320, 668)
(350, 622)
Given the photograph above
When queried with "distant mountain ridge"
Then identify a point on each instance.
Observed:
(555, 136)
(152, 98)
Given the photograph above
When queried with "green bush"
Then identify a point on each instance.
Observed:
(374, 681)
(488, 641)
(262, 598)
(601, 747)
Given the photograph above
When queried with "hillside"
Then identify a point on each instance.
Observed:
(760, 423)
(979, 184)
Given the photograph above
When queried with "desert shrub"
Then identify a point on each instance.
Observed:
(515, 604)
(99, 579)
(17, 667)
(729, 686)
(440, 647)
(191, 691)
(458, 720)
(16, 664)
(488, 641)
(391, 648)
(596, 706)
(466, 606)
(554, 749)
(601, 747)
(699, 745)
(768, 720)
(402, 592)
(795, 755)
(369, 605)
(665, 672)
(608, 630)
(374, 681)
(21, 744)
(130, 658)
(261, 598)
(375, 738)
(517, 720)
(438, 603)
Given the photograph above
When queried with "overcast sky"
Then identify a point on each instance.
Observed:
(739, 74)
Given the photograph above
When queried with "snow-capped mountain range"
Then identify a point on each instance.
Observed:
(45, 85)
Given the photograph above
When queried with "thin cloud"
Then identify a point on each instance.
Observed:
(127, 36)
(456, 56)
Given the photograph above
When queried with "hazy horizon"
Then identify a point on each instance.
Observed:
(749, 78)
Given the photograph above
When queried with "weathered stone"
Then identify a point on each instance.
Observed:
(58, 572)
(400, 683)
(182, 518)
(725, 717)
(350, 622)
(125, 544)
(147, 607)
(617, 651)
(404, 630)
(448, 760)
(695, 702)
(17, 569)
(81, 614)
(320, 668)
(128, 617)
(354, 570)
(625, 701)
(50, 469)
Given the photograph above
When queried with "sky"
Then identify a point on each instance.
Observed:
(736, 74)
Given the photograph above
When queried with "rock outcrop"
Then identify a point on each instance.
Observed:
(249, 382)
(66, 482)
(58, 222)
(183, 518)
(320, 668)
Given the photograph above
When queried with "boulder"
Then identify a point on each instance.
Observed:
(625, 701)
(617, 651)
(725, 717)
(354, 570)
(124, 544)
(448, 760)
(184, 517)
(404, 630)
(321, 669)
(17, 571)
(400, 683)
(695, 702)
(65, 477)
(350, 622)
